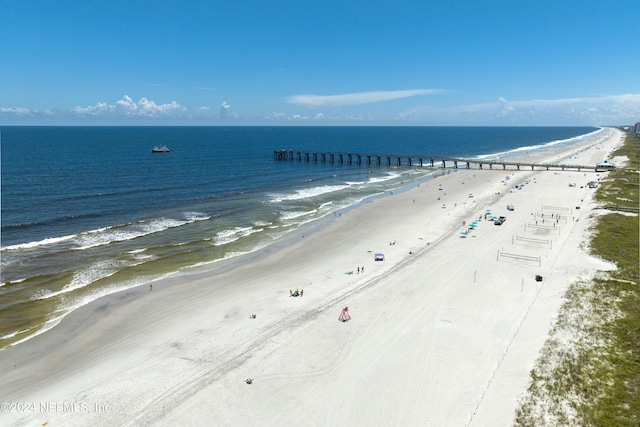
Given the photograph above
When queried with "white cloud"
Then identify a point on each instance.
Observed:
(224, 108)
(150, 108)
(627, 99)
(277, 116)
(94, 110)
(298, 117)
(128, 107)
(127, 103)
(576, 111)
(356, 98)
(610, 107)
(18, 111)
(147, 108)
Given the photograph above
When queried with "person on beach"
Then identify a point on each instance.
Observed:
(150, 287)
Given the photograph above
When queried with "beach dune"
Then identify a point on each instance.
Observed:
(444, 331)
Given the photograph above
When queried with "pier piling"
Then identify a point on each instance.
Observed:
(351, 158)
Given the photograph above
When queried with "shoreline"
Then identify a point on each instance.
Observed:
(61, 306)
(199, 323)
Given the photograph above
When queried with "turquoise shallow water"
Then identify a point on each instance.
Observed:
(88, 211)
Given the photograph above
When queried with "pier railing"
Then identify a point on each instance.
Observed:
(418, 160)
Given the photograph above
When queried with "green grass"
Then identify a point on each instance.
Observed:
(620, 186)
(594, 380)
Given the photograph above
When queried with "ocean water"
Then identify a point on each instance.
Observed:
(89, 211)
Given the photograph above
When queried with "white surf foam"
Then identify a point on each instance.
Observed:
(83, 278)
(307, 193)
(288, 215)
(228, 236)
(110, 235)
(538, 147)
(105, 235)
(388, 177)
(44, 242)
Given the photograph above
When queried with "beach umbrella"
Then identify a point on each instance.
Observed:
(463, 233)
(488, 211)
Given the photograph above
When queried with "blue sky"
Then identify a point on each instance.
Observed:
(349, 62)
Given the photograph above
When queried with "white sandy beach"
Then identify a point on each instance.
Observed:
(444, 331)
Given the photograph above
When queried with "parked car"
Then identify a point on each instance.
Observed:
(499, 221)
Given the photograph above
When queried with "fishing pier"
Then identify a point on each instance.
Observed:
(421, 161)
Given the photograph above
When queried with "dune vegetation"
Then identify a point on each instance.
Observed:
(588, 372)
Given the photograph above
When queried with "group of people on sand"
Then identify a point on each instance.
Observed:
(296, 293)
(360, 270)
